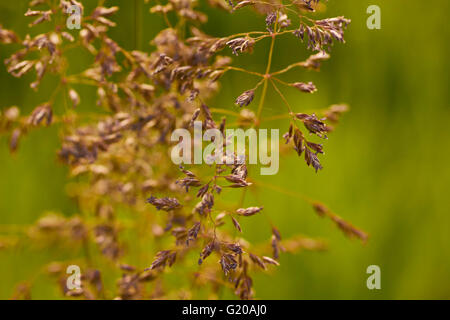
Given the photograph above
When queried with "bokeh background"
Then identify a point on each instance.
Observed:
(386, 166)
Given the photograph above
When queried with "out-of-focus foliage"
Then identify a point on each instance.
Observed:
(385, 168)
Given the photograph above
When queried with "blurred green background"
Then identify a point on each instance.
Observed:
(386, 166)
